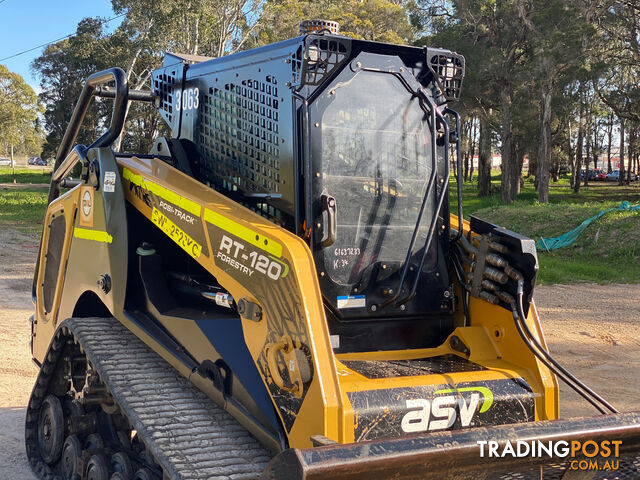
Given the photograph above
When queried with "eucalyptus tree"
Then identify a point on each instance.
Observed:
(19, 110)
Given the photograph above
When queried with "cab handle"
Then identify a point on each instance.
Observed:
(329, 209)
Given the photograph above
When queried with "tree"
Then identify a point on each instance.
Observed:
(19, 109)
(378, 20)
(63, 68)
(561, 30)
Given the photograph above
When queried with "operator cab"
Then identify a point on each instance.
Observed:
(374, 167)
(345, 143)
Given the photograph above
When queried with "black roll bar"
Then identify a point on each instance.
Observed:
(66, 161)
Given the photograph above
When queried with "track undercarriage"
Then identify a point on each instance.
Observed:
(78, 428)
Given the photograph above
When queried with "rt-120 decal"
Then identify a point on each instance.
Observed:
(239, 256)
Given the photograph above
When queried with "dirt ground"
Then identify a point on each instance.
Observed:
(593, 330)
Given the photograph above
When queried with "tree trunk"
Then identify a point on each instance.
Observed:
(630, 153)
(588, 159)
(609, 141)
(579, 142)
(507, 192)
(621, 169)
(517, 178)
(544, 148)
(196, 35)
(484, 159)
(474, 129)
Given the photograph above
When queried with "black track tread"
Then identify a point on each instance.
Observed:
(189, 435)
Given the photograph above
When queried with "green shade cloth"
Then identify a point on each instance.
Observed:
(568, 238)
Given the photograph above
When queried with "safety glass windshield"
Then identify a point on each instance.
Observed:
(376, 161)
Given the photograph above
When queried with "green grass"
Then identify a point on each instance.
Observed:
(23, 209)
(25, 175)
(607, 251)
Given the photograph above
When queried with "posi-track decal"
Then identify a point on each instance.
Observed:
(178, 217)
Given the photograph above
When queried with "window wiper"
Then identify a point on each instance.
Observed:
(435, 115)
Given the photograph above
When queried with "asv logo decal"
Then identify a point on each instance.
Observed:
(441, 412)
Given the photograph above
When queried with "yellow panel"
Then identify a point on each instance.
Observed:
(247, 234)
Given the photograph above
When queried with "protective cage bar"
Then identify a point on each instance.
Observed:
(456, 454)
(66, 158)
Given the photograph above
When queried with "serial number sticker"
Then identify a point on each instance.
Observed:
(109, 183)
(351, 301)
(176, 234)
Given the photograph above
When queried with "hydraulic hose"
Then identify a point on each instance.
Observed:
(551, 363)
(587, 391)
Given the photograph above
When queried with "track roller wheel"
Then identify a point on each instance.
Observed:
(145, 474)
(71, 452)
(94, 442)
(50, 429)
(120, 463)
(97, 468)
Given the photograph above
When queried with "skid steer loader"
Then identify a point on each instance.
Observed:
(289, 250)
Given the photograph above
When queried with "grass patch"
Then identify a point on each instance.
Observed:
(26, 175)
(559, 192)
(23, 209)
(607, 251)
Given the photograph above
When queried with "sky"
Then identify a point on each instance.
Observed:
(25, 24)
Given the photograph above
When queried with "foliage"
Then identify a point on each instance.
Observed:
(378, 20)
(63, 67)
(19, 109)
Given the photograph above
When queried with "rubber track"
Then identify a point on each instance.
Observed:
(189, 435)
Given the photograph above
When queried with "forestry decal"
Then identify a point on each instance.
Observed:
(401, 411)
(247, 252)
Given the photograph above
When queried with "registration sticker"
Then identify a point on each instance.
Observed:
(109, 183)
(351, 301)
(176, 234)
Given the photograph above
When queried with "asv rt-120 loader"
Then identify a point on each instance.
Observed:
(289, 251)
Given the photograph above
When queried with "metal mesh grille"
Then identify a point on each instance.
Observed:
(321, 57)
(239, 136)
(163, 87)
(448, 71)
(441, 364)
(53, 258)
